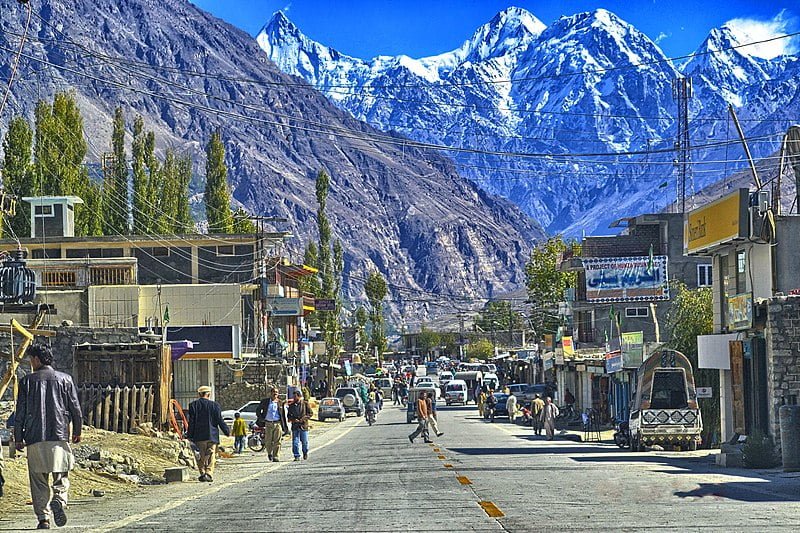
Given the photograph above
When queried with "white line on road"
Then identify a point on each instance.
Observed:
(212, 489)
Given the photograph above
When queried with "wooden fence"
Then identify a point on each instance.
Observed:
(118, 408)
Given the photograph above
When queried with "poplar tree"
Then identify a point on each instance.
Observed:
(18, 173)
(217, 195)
(183, 214)
(115, 183)
(325, 264)
(138, 165)
(375, 287)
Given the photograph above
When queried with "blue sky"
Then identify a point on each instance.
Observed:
(364, 28)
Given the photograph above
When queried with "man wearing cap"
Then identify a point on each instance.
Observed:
(271, 415)
(205, 421)
(299, 415)
(47, 403)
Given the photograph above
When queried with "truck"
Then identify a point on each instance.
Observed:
(664, 409)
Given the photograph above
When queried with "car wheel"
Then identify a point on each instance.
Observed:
(322, 419)
(341, 418)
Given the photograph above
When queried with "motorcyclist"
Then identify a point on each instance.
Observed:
(372, 406)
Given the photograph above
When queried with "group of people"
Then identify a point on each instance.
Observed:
(425, 411)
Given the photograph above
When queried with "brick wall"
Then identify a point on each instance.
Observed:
(783, 356)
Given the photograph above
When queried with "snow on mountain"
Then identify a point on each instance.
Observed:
(589, 83)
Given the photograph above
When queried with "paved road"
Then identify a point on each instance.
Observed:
(361, 478)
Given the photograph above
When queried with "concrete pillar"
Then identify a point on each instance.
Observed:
(789, 416)
(726, 405)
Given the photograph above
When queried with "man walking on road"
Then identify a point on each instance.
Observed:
(299, 415)
(205, 421)
(271, 415)
(47, 404)
(430, 402)
(549, 414)
(537, 405)
(422, 417)
(511, 406)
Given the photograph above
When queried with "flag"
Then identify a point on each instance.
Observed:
(166, 314)
(650, 261)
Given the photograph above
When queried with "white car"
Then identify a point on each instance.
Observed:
(430, 387)
(248, 412)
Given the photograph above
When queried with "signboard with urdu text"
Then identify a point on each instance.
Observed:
(632, 349)
(626, 279)
(740, 311)
(720, 221)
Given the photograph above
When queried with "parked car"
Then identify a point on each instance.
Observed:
(248, 412)
(488, 367)
(518, 389)
(456, 392)
(542, 389)
(501, 409)
(331, 408)
(351, 400)
(492, 381)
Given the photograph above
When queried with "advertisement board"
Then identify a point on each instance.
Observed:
(567, 348)
(720, 221)
(632, 349)
(740, 311)
(285, 306)
(613, 362)
(626, 279)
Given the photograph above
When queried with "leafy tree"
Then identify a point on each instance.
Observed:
(142, 211)
(242, 222)
(375, 288)
(497, 315)
(546, 284)
(690, 315)
(115, 185)
(18, 172)
(428, 340)
(183, 214)
(481, 349)
(361, 319)
(217, 195)
(325, 264)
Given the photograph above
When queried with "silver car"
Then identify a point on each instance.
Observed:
(248, 412)
(330, 408)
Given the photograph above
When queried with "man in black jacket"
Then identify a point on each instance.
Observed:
(47, 403)
(205, 421)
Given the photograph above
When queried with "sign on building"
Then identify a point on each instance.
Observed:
(285, 306)
(613, 362)
(626, 279)
(567, 347)
(324, 304)
(705, 392)
(632, 349)
(720, 221)
(740, 311)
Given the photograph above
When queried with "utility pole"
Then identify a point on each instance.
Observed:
(460, 336)
(682, 92)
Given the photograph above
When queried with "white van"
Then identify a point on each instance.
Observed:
(491, 381)
(456, 392)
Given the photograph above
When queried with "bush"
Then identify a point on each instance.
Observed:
(758, 451)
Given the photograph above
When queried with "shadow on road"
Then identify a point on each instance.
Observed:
(749, 491)
(544, 450)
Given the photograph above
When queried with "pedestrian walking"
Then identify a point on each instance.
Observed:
(511, 405)
(271, 415)
(537, 405)
(432, 419)
(299, 415)
(480, 399)
(239, 432)
(2, 479)
(205, 421)
(422, 419)
(491, 404)
(47, 403)
(549, 414)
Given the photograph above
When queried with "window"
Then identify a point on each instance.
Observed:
(225, 250)
(636, 312)
(741, 270)
(704, 277)
(43, 210)
(56, 278)
(109, 276)
(160, 252)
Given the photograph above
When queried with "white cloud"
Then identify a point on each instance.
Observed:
(748, 30)
(286, 8)
(662, 36)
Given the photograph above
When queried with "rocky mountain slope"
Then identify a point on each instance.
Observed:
(401, 210)
(564, 99)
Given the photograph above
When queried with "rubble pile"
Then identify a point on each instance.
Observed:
(117, 465)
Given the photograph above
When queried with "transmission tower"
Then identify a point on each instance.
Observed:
(682, 92)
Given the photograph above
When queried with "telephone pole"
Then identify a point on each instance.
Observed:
(682, 92)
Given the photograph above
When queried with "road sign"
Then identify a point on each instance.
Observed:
(324, 304)
(705, 392)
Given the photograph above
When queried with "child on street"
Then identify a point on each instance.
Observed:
(239, 433)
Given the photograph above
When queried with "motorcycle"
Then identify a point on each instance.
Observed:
(256, 440)
(622, 434)
(372, 412)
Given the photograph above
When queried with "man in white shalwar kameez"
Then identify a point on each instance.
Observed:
(549, 414)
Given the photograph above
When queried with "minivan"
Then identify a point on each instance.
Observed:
(456, 392)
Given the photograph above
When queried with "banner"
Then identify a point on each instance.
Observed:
(568, 348)
(632, 349)
(613, 362)
(626, 279)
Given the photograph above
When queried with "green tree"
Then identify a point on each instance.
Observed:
(497, 315)
(142, 212)
(546, 284)
(428, 340)
(217, 195)
(361, 319)
(690, 315)
(18, 173)
(325, 265)
(115, 181)
(376, 289)
(481, 349)
(242, 222)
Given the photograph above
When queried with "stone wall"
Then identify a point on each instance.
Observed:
(68, 336)
(783, 356)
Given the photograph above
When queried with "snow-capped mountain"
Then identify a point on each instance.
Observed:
(586, 86)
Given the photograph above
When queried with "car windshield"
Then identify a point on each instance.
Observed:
(455, 387)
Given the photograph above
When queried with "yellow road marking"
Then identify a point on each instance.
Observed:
(464, 480)
(448, 465)
(491, 509)
(210, 490)
(440, 456)
(437, 450)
